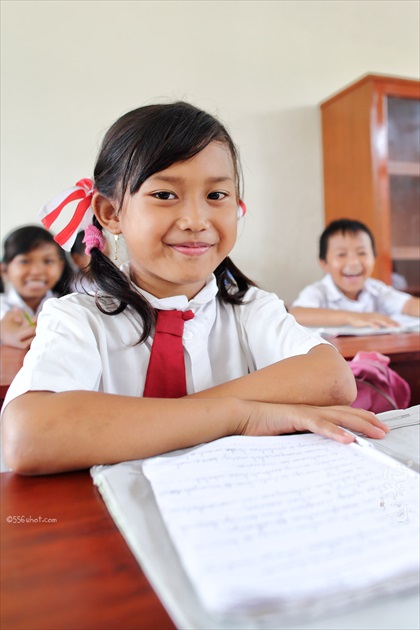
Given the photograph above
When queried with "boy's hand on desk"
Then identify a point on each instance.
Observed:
(15, 330)
(274, 419)
(375, 320)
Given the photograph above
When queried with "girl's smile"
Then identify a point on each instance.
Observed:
(181, 223)
(193, 248)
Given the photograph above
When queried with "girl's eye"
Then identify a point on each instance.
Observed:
(216, 195)
(164, 195)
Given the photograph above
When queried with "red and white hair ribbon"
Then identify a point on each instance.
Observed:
(82, 215)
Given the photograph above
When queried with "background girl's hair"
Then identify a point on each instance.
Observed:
(30, 237)
(140, 143)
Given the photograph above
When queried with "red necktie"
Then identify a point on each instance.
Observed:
(165, 376)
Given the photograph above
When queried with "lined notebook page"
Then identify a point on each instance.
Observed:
(263, 523)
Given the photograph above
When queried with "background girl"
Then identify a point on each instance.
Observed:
(167, 179)
(34, 269)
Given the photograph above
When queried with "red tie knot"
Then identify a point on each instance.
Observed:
(172, 322)
(186, 315)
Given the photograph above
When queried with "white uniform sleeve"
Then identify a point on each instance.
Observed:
(4, 305)
(64, 355)
(311, 296)
(390, 300)
(270, 333)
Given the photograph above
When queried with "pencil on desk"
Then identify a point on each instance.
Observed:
(29, 319)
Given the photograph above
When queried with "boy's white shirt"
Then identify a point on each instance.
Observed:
(11, 298)
(79, 348)
(376, 296)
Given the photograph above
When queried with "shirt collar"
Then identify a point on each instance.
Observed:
(179, 302)
(14, 299)
(335, 295)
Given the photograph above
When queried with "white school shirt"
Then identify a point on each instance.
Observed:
(11, 298)
(376, 296)
(79, 348)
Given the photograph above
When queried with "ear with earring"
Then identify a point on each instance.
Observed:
(241, 209)
(116, 242)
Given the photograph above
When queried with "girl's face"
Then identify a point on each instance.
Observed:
(182, 223)
(34, 273)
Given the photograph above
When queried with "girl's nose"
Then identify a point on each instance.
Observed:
(193, 217)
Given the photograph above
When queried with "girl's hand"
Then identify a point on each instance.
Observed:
(277, 419)
(15, 330)
(375, 320)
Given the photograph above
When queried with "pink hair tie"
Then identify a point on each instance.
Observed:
(93, 238)
(81, 193)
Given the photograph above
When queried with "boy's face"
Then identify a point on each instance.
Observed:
(350, 261)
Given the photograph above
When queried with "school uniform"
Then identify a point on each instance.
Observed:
(11, 298)
(376, 296)
(79, 348)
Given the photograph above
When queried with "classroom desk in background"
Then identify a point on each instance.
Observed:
(403, 349)
(75, 571)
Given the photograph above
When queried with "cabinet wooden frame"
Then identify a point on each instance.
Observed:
(357, 167)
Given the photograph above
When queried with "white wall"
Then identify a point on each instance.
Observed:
(70, 68)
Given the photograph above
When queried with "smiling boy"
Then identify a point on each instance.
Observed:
(347, 295)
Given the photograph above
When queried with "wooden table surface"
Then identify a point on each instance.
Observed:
(73, 570)
(399, 346)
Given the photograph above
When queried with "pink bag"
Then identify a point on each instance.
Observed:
(378, 387)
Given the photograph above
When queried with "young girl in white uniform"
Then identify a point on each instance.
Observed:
(167, 179)
(34, 269)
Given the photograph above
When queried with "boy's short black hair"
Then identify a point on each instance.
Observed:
(343, 226)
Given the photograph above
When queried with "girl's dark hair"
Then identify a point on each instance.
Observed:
(30, 237)
(140, 143)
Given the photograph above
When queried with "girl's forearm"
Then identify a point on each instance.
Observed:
(47, 432)
(321, 377)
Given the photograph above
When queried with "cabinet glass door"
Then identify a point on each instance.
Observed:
(404, 181)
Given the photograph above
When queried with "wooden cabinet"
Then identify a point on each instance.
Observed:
(371, 159)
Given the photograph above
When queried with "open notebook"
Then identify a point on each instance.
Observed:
(260, 532)
(406, 324)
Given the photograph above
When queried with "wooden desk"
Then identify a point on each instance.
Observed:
(403, 349)
(74, 573)
(11, 360)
